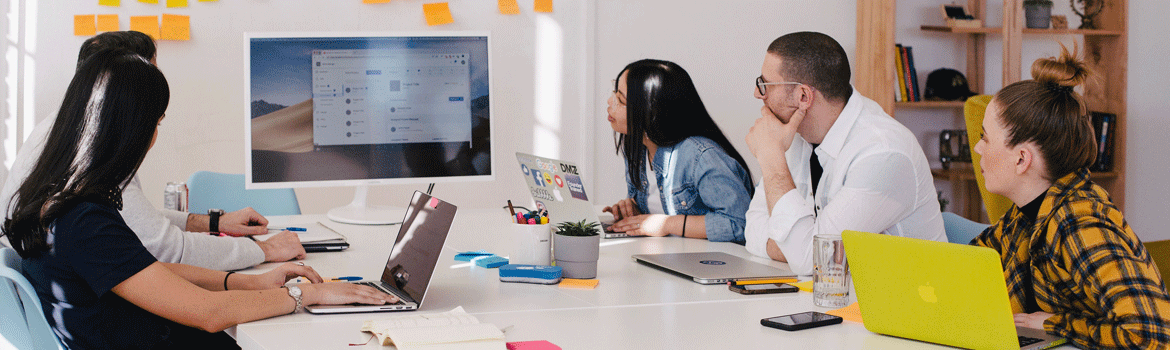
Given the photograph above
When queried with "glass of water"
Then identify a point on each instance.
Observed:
(831, 280)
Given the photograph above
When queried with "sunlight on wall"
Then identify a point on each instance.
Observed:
(549, 71)
(19, 77)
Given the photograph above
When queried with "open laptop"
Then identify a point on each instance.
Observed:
(943, 293)
(712, 267)
(558, 187)
(412, 261)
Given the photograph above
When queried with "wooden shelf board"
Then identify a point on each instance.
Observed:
(962, 171)
(1074, 31)
(930, 104)
(945, 29)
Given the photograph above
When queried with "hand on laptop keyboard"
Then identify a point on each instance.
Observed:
(344, 293)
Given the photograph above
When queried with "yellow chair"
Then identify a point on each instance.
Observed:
(1160, 252)
(973, 109)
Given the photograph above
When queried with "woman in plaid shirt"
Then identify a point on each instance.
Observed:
(1073, 265)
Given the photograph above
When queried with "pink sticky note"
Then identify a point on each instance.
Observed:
(532, 345)
(434, 204)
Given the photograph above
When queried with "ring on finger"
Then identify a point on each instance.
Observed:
(301, 263)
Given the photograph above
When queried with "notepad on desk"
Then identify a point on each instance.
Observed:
(453, 329)
(316, 237)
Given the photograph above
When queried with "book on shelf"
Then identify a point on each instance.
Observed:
(1102, 126)
(912, 75)
(453, 329)
(901, 88)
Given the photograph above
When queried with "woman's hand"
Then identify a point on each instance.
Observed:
(281, 274)
(338, 293)
(1033, 320)
(653, 225)
(622, 209)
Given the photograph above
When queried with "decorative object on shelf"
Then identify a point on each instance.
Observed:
(953, 147)
(1103, 126)
(945, 84)
(1088, 12)
(1059, 22)
(957, 17)
(1038, 13)
(942, 202)
(575, 249)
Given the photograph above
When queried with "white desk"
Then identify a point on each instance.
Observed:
(633, 307)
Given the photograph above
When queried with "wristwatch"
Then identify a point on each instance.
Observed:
(213, 224)
(295, 293)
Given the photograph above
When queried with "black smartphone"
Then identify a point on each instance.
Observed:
(804, 320)
(765, 288)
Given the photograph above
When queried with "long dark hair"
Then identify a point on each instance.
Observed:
(99, 139)
(663, 105)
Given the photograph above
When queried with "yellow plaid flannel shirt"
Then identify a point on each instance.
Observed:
(1085, 266)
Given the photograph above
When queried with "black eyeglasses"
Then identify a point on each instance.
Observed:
(760, 84)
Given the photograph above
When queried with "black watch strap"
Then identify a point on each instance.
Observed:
(213, 223)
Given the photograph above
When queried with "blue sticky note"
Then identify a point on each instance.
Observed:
(491, 262)
(469, 256)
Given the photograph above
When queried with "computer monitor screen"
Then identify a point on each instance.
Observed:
(339, 110)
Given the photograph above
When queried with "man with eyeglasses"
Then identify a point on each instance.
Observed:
(831, 159)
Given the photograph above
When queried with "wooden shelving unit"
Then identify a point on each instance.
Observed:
(1105, 51)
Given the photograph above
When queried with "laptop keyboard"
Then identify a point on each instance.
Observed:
(378, 286)
(1025, 341)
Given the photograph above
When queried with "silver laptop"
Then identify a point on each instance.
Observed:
(558, 187)
(411, 266)
(713, 267)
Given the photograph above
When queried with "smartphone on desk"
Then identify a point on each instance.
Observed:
(804, 320)
(766, 288)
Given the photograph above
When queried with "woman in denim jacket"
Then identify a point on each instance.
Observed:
(684, 177)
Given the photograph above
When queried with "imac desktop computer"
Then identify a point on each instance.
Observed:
(362, 109)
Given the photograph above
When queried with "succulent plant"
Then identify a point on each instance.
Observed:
(577, 229)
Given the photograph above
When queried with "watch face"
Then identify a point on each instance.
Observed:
(294, 291)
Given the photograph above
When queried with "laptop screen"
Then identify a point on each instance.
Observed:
(419, 243)
(558, 187)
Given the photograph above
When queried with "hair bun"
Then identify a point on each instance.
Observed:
(1063, 72)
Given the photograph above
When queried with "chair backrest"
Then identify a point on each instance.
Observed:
(209, 190)
(22, 322)
(973, 111)
(959, 229)
(1160, 253)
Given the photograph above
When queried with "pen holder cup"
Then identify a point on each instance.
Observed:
(531, 244)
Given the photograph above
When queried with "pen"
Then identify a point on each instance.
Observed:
(510, 208)
(346, 278)
(777, 280)
(297, 229)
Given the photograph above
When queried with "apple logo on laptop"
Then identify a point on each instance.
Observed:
(927, 294)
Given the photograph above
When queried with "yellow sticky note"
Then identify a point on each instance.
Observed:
(578, 284)
(84, 25)
(509, 7)
(114, 3)
(437, 13)
(149, 1)
(176, 3)
(176, 27)
(849, 313)
(146, 24)
(542, 6)
(107, 23)
(805, 286)
(375, 1)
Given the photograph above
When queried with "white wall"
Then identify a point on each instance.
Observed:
(1147, 161)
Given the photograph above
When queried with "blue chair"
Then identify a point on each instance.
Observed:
(22, 322)
(961, 230)
(209, 190)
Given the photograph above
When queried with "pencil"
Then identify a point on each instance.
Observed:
(511, 209)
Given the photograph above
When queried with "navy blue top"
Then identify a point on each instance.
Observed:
(92, 250)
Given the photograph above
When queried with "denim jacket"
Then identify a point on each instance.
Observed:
(701, 179)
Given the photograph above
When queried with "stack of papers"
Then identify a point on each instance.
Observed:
(453, 329)
(315, 232)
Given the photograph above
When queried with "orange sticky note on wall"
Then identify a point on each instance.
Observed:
(176, 3)
(176, 27)
(107, 23)
(375, 1)
(146, 24)
(437, 13)
(149, 1)
(542, 6)
(114, 3)
(509, 7)
(83, 25)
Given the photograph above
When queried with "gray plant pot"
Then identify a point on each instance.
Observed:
(1038, 16)
(577, 256)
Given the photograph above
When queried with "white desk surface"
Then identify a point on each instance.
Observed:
(633, 307)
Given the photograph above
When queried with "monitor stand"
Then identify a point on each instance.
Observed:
(361, 212)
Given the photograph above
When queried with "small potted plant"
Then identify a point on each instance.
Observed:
(575, 248)
(1038, 13)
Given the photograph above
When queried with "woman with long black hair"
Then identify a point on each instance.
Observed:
(98, 285)
(683, 176)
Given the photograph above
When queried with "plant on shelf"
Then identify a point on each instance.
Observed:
(1038, 13)
(576, 249)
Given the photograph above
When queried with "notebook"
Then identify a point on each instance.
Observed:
(943, 293)
(412, 261)
(712, 267)
(316, 237)
(557, 186)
